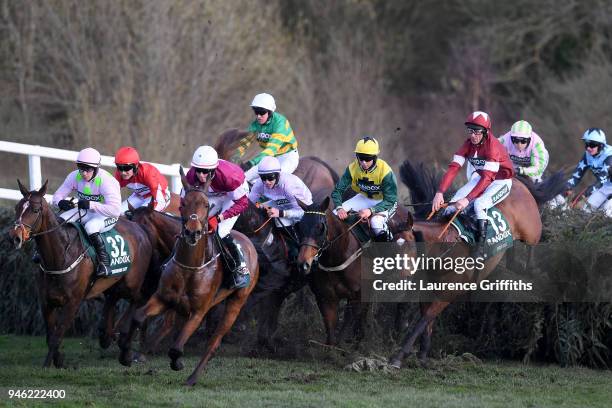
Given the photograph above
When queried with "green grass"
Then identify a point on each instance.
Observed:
(94, 378)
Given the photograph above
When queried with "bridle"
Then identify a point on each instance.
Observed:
(194, 217)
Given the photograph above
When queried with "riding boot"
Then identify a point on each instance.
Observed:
(481, 238)
(103, 257)
(36, 257)
(240, 273)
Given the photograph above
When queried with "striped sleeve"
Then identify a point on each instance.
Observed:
(539, 161)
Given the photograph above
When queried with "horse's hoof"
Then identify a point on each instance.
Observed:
(177, 365)
(424, 362)
(126, 358)
(395, 362)
(191, 381)
(58, 360)
(139, 358)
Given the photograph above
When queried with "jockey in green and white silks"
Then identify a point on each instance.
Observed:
(375, 183)
(99, 204)
(274, 134)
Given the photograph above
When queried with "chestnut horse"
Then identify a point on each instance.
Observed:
(521, 211)
(191, 283)
(68, 276)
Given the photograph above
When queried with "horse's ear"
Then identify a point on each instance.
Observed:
(409, 220)
(207, 184)
(43, 189)
(302, 205)
(184, 181)
(24, 191)
(151, 204)
(325, 204)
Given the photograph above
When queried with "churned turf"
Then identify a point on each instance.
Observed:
(94, 378)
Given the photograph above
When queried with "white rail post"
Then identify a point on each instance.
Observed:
(35, 173)
(177, 185)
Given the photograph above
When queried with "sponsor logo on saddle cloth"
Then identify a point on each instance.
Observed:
(499, 237)
(119, 251)
(116, 247)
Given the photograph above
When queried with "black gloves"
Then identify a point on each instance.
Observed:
(65, 205)
(84, 204)
(246, 165)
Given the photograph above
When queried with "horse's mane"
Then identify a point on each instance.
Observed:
(333, 173)
(228, 142)
(547, 189)
(422, 183)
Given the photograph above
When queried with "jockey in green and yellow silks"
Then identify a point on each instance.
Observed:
(375, 183)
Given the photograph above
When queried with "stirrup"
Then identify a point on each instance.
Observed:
(241, 278)
(103, 270)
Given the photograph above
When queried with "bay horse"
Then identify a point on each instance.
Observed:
(67, 274)
(330, 255)
(191, 283)
(521, 211)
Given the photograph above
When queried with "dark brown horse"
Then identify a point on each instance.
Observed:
(191, 283)
(68, 275)
(330, 253)
(522, 214)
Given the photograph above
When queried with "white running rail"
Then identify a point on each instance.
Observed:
(35, 152)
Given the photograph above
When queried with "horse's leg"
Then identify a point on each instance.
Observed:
(267, 321)
(232, 309)
(176, 351)
(50, 317)
(329, 311)
(163, 332)
(105, 329)
(60, 319)
(425, 345)
(431, 311)
(154, 306)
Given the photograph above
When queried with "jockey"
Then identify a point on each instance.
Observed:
(527, 151)
(99, 204)
(598, 158)
(489, 183)
(375, 182)
(274, 135)
(142, 179)
(280, 192)
(228, 193)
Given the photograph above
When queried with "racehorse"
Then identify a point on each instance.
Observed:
(521, 211)
(330, 254)
(67, 273)
(191, 282)
(279, 277)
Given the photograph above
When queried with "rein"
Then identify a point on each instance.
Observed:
(327, 243)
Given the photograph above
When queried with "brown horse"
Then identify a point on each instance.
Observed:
(68, 274)
(330, 254)
(191, 283)
(522, 214)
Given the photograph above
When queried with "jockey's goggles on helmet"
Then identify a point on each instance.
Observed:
(365, 157)
(85, 167)
(260, 111)
(516, 139)
(268, 177)
(591, 144)
(205, 171)
(475, 130)
(125, 167)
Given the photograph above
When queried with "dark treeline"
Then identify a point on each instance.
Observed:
(167, 76)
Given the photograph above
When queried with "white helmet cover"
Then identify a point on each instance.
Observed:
(269, 165)
(205, 157)
(89, 156)
(265, 101)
